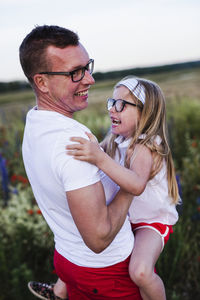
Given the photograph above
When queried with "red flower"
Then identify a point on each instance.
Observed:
(39, 212)
(13, 178)
(19, 178)
(194, 144)
(30, 212)
(22, 179)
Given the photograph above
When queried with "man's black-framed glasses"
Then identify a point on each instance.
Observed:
(76, 75)
(118, 104)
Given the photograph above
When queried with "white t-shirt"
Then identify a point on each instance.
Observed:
(154, 204)
(52, 172)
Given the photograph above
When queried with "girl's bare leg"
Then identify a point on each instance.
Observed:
(60, 289)
(147, 248)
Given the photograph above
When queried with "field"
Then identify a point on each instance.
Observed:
(26, 248)
(175, 84)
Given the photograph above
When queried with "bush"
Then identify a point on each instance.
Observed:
(26, 245)
(179, 264)
(183, 122)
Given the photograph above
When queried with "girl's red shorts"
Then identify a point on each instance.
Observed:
(162, 229)
(84, 283)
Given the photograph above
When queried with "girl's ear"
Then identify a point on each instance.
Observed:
(40, 81)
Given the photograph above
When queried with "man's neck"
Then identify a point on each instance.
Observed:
(50, 105)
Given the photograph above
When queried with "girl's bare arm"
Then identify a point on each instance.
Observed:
(132, 180)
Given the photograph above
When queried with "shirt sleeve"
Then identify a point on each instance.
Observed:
(71, 173)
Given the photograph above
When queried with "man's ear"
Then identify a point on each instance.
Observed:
(40, 81)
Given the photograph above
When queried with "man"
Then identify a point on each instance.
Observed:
(93, 240)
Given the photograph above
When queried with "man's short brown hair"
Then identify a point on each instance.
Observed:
(33, 48)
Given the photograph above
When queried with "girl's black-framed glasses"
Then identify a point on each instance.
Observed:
(118, 104)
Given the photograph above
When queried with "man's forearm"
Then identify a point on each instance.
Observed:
(98, 223)
(116, 215)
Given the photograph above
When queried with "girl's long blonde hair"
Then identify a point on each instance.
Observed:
(152, 123)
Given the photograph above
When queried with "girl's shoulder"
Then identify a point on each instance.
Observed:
(155, 139)
(140, 152)
(142, 149)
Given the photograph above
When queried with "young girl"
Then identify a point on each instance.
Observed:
(143, 166)
(138, 158)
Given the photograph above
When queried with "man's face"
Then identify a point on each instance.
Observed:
(62, 91)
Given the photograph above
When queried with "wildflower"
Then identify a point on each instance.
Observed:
(30, 212)
(179, 185)
(194, 144)
(19, 178)
(13, 178)
(4, 175)
(15, 191)
(22, 179)
(39, 212)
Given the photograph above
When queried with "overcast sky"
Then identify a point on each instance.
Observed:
(118, 34)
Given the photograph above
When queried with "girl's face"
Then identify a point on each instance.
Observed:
(124, 123)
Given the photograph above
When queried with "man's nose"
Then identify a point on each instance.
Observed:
(88, 78)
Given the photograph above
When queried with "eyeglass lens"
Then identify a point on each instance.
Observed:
(119, 104)
(78, 74)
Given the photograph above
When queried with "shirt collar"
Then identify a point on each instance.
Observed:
(121, 142)
(125, 143)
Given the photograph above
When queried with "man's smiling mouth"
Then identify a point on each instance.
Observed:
(83, 93)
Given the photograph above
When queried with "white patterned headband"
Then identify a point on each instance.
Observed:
(134, 87)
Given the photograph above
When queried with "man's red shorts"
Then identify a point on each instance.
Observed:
(83, 283)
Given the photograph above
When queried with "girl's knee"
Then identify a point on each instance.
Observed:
(140, 273)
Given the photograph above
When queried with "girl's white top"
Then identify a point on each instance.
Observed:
(154, 204)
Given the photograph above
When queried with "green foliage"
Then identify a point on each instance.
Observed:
(97, 120)
(13, 86)
(26, 241)
(26, 244)
(181, 256)
(179, 264)
(183, 121)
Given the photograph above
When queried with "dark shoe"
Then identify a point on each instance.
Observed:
(43, 290)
